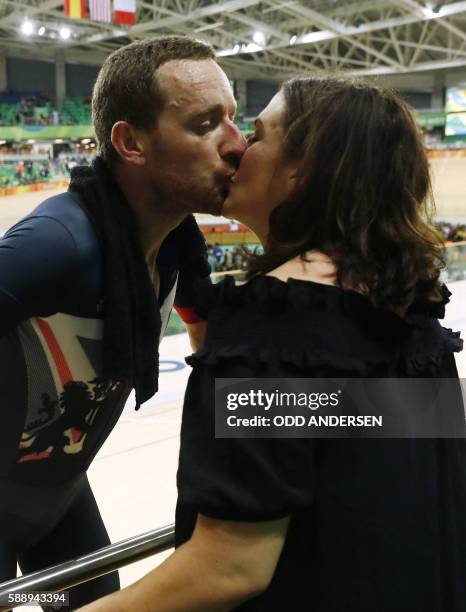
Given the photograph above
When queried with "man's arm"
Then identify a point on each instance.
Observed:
(194, 279)
(195, 326)
(190, 291)
(196, 332)
(224, 564)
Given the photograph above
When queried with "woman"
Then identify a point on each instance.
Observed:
(335, 184)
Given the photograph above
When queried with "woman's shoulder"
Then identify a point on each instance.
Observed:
(312, 266)
(290, 299)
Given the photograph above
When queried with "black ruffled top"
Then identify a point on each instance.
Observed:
(376, 525)
(309, 325)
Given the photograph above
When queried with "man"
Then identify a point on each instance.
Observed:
(86, 285)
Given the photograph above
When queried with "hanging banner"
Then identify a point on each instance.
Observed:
(100, 10)
(125, 12)
(75, 9)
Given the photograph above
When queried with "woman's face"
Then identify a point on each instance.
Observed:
(265, 178)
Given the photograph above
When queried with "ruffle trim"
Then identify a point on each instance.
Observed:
(301, 359)
(435, 310)
(411, 361)
(429, 353)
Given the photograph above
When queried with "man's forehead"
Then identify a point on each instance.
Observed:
(194, 83)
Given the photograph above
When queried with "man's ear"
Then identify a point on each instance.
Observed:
(128, 143)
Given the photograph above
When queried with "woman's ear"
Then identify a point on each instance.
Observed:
(292, 177)
(128, 143)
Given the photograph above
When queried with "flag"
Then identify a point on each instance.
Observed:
(76, 9)
(100, 10)
(125, 11)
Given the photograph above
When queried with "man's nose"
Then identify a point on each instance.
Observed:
(233, 146)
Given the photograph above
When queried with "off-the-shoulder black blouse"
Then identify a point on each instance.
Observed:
(376, 525)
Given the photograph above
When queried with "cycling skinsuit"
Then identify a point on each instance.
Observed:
(57, 410)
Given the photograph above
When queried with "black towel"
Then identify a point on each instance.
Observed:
(131, 315)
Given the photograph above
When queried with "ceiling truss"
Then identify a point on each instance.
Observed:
(367, 37)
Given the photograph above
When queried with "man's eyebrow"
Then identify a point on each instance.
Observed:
(210, 110)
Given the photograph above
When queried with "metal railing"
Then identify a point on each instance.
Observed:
(239, 275)
(103, 561)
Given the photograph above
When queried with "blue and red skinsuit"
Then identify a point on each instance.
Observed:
(57, 410)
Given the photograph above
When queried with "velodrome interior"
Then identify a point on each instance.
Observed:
(418, 47)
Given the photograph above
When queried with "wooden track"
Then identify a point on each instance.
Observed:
(448, 179)
(15, 207)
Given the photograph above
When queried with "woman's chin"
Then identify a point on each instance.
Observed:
(234, 209)
(229, 208)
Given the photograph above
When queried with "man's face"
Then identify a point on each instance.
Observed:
(195, 148)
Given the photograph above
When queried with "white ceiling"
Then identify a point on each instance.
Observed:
(406, 38)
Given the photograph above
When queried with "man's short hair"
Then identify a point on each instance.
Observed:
(127, 88)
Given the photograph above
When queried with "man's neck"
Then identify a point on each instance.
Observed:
(155, 220)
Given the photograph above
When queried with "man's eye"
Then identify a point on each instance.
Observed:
(209, 124)
(205, 125)
(251, 139)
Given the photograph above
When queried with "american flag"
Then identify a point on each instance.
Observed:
(100, 10)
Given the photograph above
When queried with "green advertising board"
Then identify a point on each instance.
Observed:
(430, 119)
(426, 119)
(46, 132)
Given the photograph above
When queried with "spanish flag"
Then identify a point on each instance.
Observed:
(76, 9)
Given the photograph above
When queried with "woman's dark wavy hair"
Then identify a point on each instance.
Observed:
(364, 195)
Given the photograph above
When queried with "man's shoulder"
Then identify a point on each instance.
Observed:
(55, 245)
(64, 207)
(65, 210)
(57, 219)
